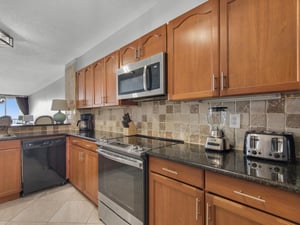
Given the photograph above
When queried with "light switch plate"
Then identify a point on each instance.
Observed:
(235, 121)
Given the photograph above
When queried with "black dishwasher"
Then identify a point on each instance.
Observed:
(43, 163)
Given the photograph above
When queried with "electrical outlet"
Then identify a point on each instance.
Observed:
(235, 121)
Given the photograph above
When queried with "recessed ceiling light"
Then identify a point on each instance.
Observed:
(6, 40)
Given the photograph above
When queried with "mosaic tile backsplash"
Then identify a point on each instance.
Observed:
(187, 120)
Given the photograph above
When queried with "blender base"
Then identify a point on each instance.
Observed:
(217, 144)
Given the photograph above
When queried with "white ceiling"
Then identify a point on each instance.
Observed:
(50, 33)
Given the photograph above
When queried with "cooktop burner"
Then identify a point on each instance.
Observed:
(136, 144)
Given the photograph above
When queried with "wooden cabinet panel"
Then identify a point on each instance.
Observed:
(265, 198)
(172, 202)
(89, 87)
(128, 53)
(99, 82)
(80, 87)
(150, 44)
(259, 46)
(91, 175)
(10, 170)
(84, 167)
(77, 172)
(223, 212)
(111, 66)
(193, 53)
(187, 174)
(153, 43)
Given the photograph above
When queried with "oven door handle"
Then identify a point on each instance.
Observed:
(121, 158)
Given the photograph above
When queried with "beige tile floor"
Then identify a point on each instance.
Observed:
(62, 205)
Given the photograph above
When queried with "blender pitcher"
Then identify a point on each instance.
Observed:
(216, 117)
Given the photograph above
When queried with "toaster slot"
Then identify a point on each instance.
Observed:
(277, 144)
(253, 141)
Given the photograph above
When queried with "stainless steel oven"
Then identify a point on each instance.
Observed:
(121, 189)
(122, 196)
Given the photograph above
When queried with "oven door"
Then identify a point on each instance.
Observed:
(121, 185)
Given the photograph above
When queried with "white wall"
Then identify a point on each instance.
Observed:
(160, 14)
(40, 102)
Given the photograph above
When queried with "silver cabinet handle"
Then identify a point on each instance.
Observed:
(214, 87)
(197, 208)
(258, 198)
(224, 81)
(207, 214)
(170, 171)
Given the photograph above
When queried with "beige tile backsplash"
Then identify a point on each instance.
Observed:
(186, 120)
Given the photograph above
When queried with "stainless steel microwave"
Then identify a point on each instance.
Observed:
(145, 78)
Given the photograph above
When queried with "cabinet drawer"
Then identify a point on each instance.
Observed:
(272, 200)
(89, 145)
(10, 144)
(186, 174)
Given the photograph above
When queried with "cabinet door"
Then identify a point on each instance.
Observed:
(89, 87)
(80, 87)
(153, 43)
(172, 202)
(99, 83)
(259, 46)
(128, 53)
(111, 66)
(193, 59)
(10, 172)
(91, 175)
(77, 170)
(220, 211)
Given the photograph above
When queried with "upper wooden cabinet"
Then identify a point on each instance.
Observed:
(150, 44)
(99, 82)
(96, 84)
(193, 53)
(80, 87)
(111, 66)
(259, 46)
(85, 88)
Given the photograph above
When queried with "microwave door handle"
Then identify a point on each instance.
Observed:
(145, 78)
(130, 162)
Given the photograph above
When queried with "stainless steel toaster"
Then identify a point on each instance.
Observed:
(277, 146)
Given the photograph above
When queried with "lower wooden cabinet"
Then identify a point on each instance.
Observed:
(181, 194)
(220, 211)
(170, 200)
(173, 202)
(10, 170)
(83, 166)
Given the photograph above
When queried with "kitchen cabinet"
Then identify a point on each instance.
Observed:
(85, 88)
(10, 170)
(84, 167)
(111, 66)
(193, 53)
(99, 82)
(150, 44)
(175, 194)
(221, 211)
(224, 48)
(259, 46)
(80, 87)
(267, 203)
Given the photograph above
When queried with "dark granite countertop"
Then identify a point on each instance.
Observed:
(92, 136)
(233, 163)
